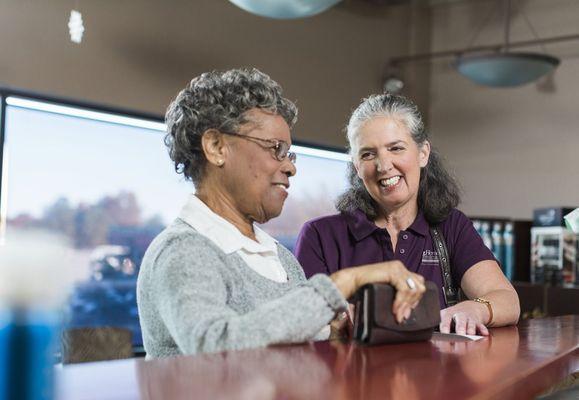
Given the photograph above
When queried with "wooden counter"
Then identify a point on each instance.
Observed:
(513, 363)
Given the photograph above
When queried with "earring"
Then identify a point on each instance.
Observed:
(219, 163)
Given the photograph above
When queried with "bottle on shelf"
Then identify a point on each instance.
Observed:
(509, 253)
(486, 234)
(476, 223)
(498, 244)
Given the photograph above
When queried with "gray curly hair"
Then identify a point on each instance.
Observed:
(218, 100)
(438, 191)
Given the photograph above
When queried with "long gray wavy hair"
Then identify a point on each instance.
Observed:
(218, 100)
(438, 191)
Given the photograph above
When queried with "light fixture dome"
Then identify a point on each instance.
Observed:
(505, 69)
(393, 84)
(285, 9)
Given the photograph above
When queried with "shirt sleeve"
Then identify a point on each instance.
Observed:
(309, 251)
(192, 290)
(468, 247)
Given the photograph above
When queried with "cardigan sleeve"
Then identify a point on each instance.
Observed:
(191, 287)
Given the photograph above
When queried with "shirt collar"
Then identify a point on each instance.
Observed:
(420, 225)
(361, 226)
(222, 232)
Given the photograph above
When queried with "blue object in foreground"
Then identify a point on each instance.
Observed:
(27, 344)
(4, 329)
(285, 9)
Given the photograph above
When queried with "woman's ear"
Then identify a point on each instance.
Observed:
(356, 165)
(214, 147)
(424, 154)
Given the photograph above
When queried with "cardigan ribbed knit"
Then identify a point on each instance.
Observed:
(194, 298)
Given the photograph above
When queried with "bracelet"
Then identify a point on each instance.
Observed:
(488, 304)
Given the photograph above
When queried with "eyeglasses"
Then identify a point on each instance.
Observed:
(279, 147)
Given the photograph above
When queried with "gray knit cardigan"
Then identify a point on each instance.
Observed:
(193, 298)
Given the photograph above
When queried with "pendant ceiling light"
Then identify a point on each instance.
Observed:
(505, 68)
(496, 65)
(285, 9)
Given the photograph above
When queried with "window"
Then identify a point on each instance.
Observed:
(105, 181)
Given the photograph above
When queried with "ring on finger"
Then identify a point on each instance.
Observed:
(411, 284)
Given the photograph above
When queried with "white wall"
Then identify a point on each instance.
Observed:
(512, 149)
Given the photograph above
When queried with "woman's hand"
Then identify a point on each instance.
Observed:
(486, 280)
(409, 286)
(342, 326)
(469, 318)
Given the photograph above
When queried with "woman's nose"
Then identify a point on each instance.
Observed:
(383, 164)
(288, 168)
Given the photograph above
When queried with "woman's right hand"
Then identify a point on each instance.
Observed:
(408, 295)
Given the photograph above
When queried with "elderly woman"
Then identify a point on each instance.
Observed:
(399, 191)
(213, 280)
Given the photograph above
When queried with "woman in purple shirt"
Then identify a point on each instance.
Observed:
(399, 190)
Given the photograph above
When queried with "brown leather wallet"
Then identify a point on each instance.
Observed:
(374, 322)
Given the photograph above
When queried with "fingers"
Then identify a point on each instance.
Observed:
(402, 312)
(460, 321)
(482, 329)
(409, 286)
(471, 326)
(336, 323)
(445, 321)
(466, 317)
(350, 325)
(409, 290)
(463, 324)
(339, 327)
(351, 310)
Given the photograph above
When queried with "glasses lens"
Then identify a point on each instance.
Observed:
(281, 150)
(292, 156)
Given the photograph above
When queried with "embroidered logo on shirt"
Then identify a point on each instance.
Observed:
(429, 257)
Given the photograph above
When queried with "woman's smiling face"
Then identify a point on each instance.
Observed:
(255, 179)
(388, 161)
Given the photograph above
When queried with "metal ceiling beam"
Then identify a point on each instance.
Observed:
(493, 47)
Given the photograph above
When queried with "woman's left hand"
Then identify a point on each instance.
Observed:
(469, 318)
(342, 326)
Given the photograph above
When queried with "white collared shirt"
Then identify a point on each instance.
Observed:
(260, 256)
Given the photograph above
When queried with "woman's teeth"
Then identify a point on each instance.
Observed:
(390, 181)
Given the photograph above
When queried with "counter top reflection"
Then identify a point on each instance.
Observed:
(513, 363)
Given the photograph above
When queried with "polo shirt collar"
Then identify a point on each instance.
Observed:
(222, 232)
(420, 225)
(361, 226)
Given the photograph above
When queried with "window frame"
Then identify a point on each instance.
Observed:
(299, 146)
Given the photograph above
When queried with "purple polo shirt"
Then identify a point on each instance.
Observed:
(328, 244)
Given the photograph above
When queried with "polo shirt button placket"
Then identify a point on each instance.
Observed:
(404, 237)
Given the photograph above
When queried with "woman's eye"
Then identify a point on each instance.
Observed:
(396, 148)
(366, 156)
